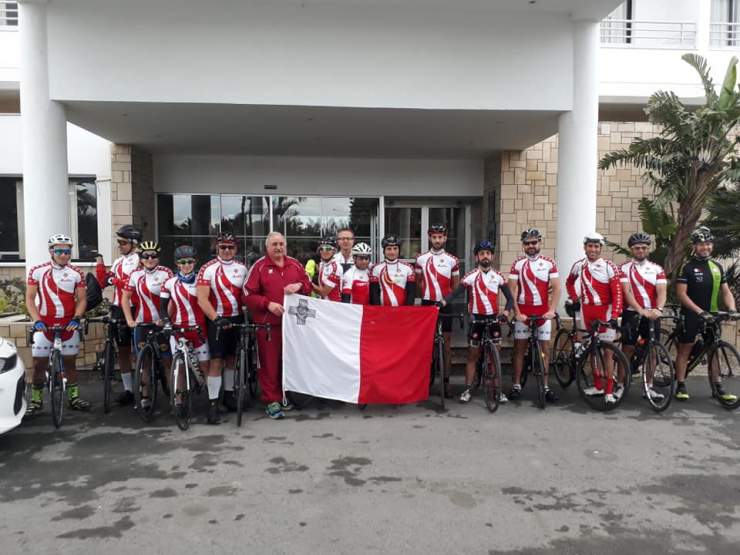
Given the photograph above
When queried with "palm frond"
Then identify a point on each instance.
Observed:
(699, 63)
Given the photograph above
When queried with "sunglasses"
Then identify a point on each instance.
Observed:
(60, 252)
(226, 247)
(326, 249)
(530, 243)
(184, 261)
(149, 256)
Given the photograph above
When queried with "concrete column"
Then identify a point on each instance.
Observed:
(44, 140)
(578, 149)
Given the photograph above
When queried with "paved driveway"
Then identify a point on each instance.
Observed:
(384, 480)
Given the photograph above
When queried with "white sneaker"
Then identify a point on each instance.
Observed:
(503, 398)
(593, 391)
(609, 399)
(465, 396)
(618, 392)
(655, 395)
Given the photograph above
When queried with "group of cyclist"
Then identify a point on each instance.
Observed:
(213, 298)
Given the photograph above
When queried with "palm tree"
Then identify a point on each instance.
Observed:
(692, 157)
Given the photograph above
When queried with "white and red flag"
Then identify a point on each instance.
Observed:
(357, 353)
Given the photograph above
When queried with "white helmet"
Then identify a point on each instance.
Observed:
(594, 237)
(60, 239)
(362, 249)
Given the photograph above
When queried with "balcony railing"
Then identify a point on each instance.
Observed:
(8, 14)
(724, 35)
(630, 33)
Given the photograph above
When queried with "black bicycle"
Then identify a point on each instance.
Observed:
(247, 362)
(564, 349)
(534, 360)
(148, 372)
(187, 377)
(721, 357)
(106, 364)
(488, 370)
(438, 355)
(593, 374)
(652, 360)
(55, 378)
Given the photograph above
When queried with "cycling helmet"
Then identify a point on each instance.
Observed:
(594, 237)
(531, 233)
(437, 228)
(361, 249)
(484, 245)
(150, 246)
(225, 239)
(60, 239)
(701, 234)
(185, 251)
(390, 241)
(129, 232)
(328, 242)
(639, 238)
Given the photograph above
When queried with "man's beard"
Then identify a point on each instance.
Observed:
(485, 264)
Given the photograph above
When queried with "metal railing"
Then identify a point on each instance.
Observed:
(724, 35)
(8, 14)
(630, 33)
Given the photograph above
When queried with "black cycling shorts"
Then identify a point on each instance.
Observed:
(689, 328)
(227, 340)
(123, 333)
(634, 327)
(477, 327)
(447, 309)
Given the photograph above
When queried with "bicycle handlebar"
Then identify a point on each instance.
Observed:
(250, 328)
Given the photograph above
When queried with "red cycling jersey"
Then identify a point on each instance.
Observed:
(119, 273)
(533, 276)
(184, 306)
(56, 290)
(644, 278)
(225, 278)
(356, 284)
(599, 284)
(146, 285)
(392, 278)
(483, 290)
(330, 276)
(436, 270)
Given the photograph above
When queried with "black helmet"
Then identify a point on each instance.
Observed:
(390, 241)
(531, 233)
(639, 238)
(129, 232)
(226, 238)
(701, 234)
(437, 228)
(185, 251)
(328, 242)
(484, 245)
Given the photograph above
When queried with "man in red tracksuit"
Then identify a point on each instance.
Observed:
(271, 278)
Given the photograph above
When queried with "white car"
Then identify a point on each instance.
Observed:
(12, 387)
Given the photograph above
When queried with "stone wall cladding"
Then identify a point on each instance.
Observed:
(132, 189)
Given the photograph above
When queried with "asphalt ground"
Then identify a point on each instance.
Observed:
(412, 479)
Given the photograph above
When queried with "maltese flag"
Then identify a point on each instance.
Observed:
(355, 353)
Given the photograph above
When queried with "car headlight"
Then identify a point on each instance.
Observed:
(9, 363)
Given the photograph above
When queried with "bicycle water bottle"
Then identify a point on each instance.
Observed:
(578, 349)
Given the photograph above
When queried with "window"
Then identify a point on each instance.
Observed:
(85, 193)
(8, 14)
(724, 27)
(616, 28)
(9, 232)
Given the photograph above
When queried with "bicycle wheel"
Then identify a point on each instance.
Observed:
(491, 376)
(240, 384)
(561, 358)
(145, 383)
(252, 369)
(671, 345)
(657, 367)
(108, 366)
(181, 382)
(591, 372)
(526, 368)
(439, 363)
(56, 388)
(726, 358)
(538, 369)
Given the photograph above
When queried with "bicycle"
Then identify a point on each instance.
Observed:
(589, 365)
(722, 358)
(184, 362)
(148, 372)
(247, 362)
(55, 377)
(652, 360)
(489, 364)
(534, 360)
(107, 363)
(438, 355)
(563, 362)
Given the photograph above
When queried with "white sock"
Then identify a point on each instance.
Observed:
(229, 379)
(214, 387)
(128, 381)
